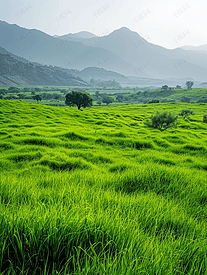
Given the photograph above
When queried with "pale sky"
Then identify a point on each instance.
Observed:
(168, 23)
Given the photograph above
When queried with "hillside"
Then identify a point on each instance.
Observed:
(14, 72)
(148, 59)
(37, 46)
(96, 192)
(194, 48)
(122, 51)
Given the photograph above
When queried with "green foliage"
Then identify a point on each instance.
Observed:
(189, 84)
(80, 99)
(162, 121)
(119, 98)
(204, 118)
(164, 87)
(154, 101)
(3, 91)
(185, 99)
(185, 113)
(37, 97)
(107, 100)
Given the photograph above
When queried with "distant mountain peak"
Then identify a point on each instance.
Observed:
(124, 31)
(85, 34)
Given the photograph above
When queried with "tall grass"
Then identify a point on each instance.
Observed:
(82, 197)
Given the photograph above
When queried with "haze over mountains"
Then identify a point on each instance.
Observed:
(19, 71)
(121, 51)
(150, 60)
(77, 36)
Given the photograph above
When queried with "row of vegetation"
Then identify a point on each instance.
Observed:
(97, 192)
(108, 95)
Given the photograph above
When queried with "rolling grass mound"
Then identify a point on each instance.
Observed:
(97, 192)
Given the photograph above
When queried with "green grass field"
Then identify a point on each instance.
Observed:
(96, 192)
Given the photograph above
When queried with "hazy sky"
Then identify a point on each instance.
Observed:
(169, 23)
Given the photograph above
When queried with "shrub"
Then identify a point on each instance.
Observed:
(186, 113)
(154, 101)
(185, 99)
(204, 118)
(202, 100)
(161, 121)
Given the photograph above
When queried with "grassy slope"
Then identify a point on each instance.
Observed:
(95, 192)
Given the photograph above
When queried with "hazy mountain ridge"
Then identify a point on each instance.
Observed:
(10, 75)
(195, 48)
(145, 56)
(37, 46)
(77, 36)
(16, 72)
(121, 51)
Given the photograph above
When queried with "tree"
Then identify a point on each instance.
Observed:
(162, 121)
(21, 96)
(12, 89)
(186, 113)
(178, 87)
(37, 97)
(204, 118)
(154, 101)
(26, 90)
(64, 91)
(189, 84)
(79, 99)
(56, 96)
(119, 98)
(107, 100)
(164, 87)
(37, 89)
(97, 94)
(3, 92)
(185, 99)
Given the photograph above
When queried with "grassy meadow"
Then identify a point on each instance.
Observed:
(97, 192)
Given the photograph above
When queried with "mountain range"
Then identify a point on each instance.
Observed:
(122, 51)
(15, 70)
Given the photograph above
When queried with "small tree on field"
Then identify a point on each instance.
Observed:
(189, 84)
(162, 121)
(37, 97)
(178, 87)
(164, 87)
(79, 99)
(107, 100)
(185, 113)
